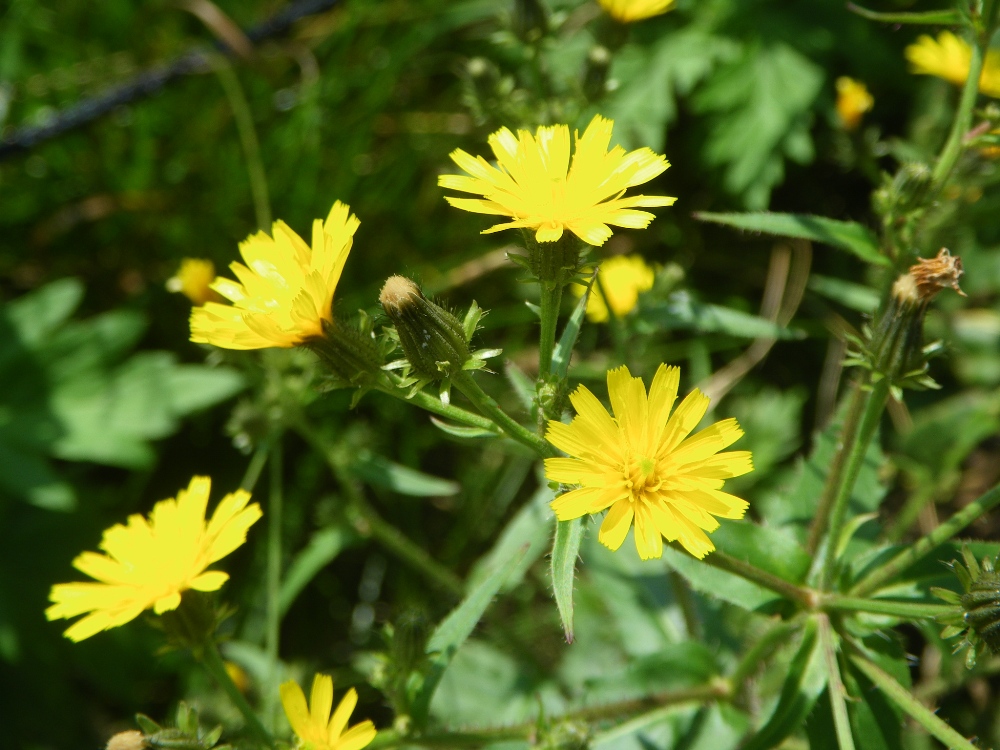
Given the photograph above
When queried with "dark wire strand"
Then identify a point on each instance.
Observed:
(150, 81)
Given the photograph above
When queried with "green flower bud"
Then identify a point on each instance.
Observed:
(976, 613)
(433, 340)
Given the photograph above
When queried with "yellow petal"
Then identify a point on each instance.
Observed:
(616, 524)
(342, 715)
(321, 700)
(293, 700)
(583, 501)
(357, 737)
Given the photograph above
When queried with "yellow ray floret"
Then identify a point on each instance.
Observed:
(148, 563)
(194, 280)
(644, 467)
(630, 11)
(949, 57)
(622, 279)
(853, 100)
(540, 186)
(312, 723)
(285, 290)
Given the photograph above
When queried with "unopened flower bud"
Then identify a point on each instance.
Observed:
(894, 348)
(432, 339)
(130, 740)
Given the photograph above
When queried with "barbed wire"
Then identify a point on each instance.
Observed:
(150, 81)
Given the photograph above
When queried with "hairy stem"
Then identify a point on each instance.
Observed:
(838, 696)
(903, 610)
(798, 594)
(516, 431)
(273, 633)
(873, 406)
(211, 659)
(430, 403)
(551, 298)
(886, 572)
(963, 115)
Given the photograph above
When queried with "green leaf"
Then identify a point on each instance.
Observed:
(757, 114)
(564, 348)
(680, 311)
(764, 547)
(843, 235)
(804, 684)
(853, 296)
(453, 631)
(322, 549)
(944, 17)
(382, 472)
(196, 387)
(523, 386)
(461, 432)
(719, 583)
(530, 526)
(565, 549)
(39, 314)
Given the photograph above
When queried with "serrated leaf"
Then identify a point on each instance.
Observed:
(380, 471)
(564, 348)
(843, 235)
(944, 17)
(803, 685)
(460, 431)
(322, 549)
(565, 549)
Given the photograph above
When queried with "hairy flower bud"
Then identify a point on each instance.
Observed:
(976, 613)
(351, 354)
(433, 340)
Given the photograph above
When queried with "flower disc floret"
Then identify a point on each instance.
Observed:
(312, 723)
(643, 466)
(284, 292)
(541, 187)
(149, 563)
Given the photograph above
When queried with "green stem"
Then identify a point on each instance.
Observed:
(760, 651)
(848, 436)
(886, 572)
(798, 594)
(963, 115)
(369, 523)
(430, 403)
(551, 299)
(906, 701)
(211, 659)
(516, 431)
(841, 721)
(904, 610)
(874, 404)
(256, 466)
(273, 633)
(248, 139)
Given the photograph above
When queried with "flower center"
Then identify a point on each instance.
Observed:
(641, 477)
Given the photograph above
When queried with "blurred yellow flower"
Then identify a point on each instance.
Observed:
(148, 563)
(642, 467)
(622, 277)
(629, 11)
(194, 280)
(312, 723)
(285, 290)
(537, 185)
(853, 100)
(949, 58)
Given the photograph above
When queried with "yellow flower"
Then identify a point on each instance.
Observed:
(642, 466)
(629, 11)
(536, 184)
(314, 726)
(853, 100)
(285, 290)
(149, 563)
(949, 58)
(194, 280)
(622, 278)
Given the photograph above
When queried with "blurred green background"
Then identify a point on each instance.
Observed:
(105, 407)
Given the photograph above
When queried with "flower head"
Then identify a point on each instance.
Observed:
(194, 280)
(629, 11)
(853, 100)
(949, 58)
(539, 186)
(285, 290)
(312, 723)
(641, 465)
(622, 278)
(148, 563)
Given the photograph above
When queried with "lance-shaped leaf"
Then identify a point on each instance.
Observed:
(564, 349)
(454, 629)
(565, 549)
(382, 472)
(681, 311)
(944, 17)
(324, 546)
(844, 235)
(804, 684)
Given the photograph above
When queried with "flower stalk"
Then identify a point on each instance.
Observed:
(211, 660)
(489, 407)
